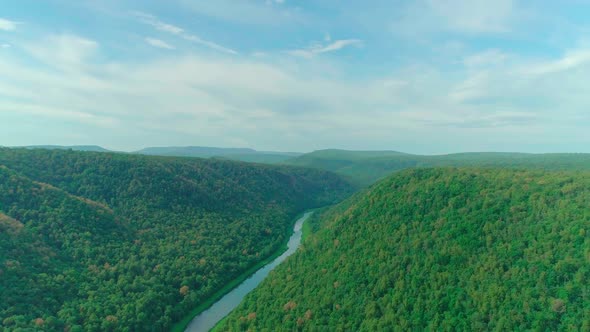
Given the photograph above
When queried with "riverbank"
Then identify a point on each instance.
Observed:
(183, 324)
(306, 230)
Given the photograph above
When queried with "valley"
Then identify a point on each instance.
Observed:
(207, 319)
(294, 166)
(95, 241)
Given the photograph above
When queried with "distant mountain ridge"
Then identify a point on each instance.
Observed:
(241, 154)
(193, 150)
(362, 168)
(366, 167)
(355, 153)
(89, 148)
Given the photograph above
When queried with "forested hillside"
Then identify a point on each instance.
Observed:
(100, 241)
(365, 167)
(439, 250)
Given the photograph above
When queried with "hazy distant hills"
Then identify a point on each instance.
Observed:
(242, 154)
(365, 167)
(193, 151)
(239, 154)
(90, 148)
(362, 168)
(335, 160)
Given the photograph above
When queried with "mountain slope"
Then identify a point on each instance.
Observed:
(40, 252)
(101, 241)
(439, 249)
(366, 167)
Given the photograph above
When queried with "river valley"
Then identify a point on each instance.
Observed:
(208, 318)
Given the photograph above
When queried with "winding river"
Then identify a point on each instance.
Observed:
(208, 318)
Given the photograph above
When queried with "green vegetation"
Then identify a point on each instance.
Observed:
(101, 241)
(366, 167)
(183, 323)
(439, 250)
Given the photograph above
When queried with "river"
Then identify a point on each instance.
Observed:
(208, 318)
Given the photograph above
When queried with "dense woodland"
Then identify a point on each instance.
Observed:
(366, 167)
(114, 242)
(439, 250)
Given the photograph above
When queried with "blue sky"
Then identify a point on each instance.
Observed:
(422, 76)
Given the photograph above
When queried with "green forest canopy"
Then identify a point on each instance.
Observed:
(439, 249)
(101, 241)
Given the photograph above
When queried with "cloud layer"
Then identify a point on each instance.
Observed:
(7, 25)
(316, 49)
(159, 43)
(179, 32)
(434, 77)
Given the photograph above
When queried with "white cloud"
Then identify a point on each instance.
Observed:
(569, 61)
(159, 43)
(246, 12)
(212, 45)
(65, 52)
(551, 94)
(316, 49)
(180, 32)
(475, 16)
(159, 25)
(5, 46)
(421, 18)
(59, 113)
(471, 88)
(7, 25)
(486, 58)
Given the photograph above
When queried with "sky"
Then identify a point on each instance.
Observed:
(420, 76)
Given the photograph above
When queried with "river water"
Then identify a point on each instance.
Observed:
(208, 318)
